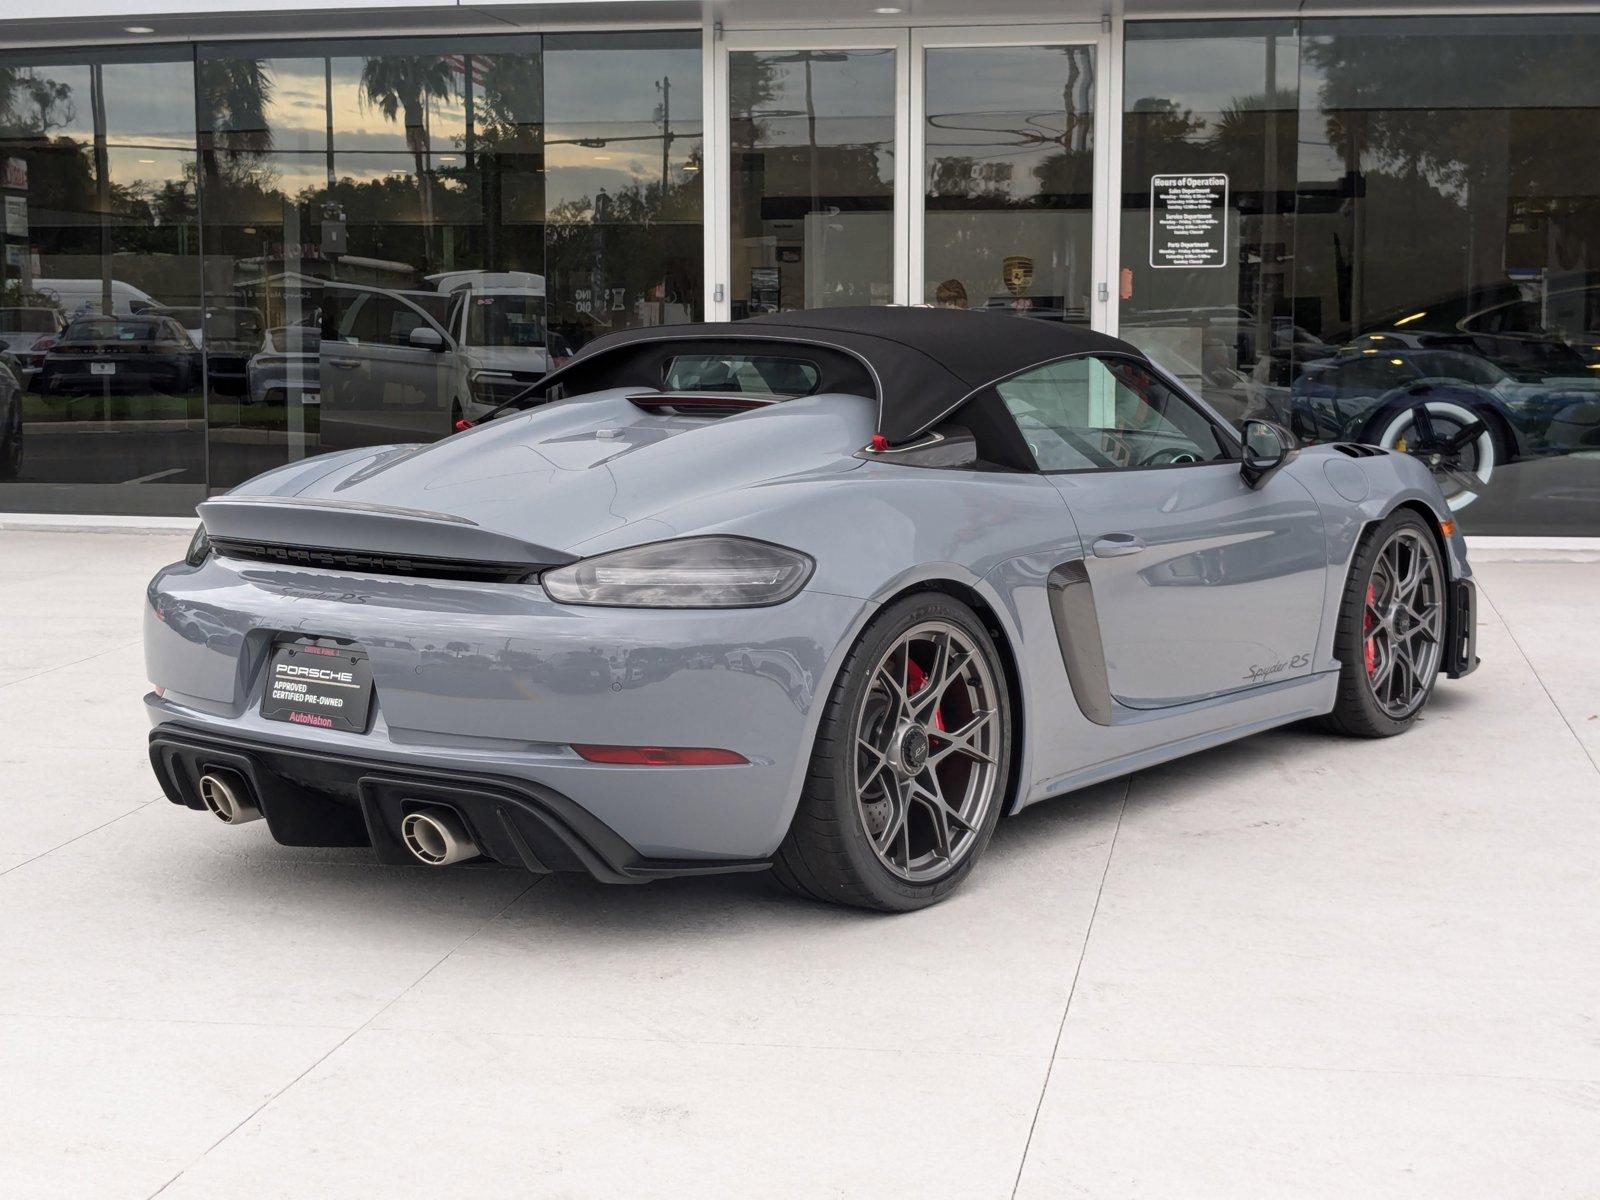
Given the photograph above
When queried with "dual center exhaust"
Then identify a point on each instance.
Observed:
(435, 836)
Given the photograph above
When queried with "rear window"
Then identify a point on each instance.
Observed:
(756, 374)
(107, 329)
(29, 320)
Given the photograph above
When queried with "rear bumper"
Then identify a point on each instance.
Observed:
(1461, 630)
(497, 681)
(323, 799)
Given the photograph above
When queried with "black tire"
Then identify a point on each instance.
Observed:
(1359, 710)
(828, 853)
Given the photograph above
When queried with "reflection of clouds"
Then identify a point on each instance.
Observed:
(1002, 79)
(143, 106)
(129, 165)
(582, 85)
(1205, 74)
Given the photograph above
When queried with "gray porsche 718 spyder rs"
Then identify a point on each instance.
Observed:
(824, 592)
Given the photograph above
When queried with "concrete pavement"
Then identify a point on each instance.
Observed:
(1292, 967)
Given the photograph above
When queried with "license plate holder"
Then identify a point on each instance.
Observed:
(318, 686)
(102, 368)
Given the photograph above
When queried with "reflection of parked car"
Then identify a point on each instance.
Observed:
(10, 417)
(502, 344)
(1462, 414)
(384, 365)
(418, 364)
(28, 333)
(286, 366)
(227, 336)
(121, 354)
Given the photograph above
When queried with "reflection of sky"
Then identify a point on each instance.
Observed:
(150, 104)
(1003, 104)
(150, 168)
(594, 89)
(1002, 79)
(863, 85)
(298, 113)
(1204, 74)
(613, 85)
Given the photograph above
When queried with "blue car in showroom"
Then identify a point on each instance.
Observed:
(827, 593)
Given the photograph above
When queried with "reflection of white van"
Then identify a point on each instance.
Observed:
(73, 296)
(521, 281)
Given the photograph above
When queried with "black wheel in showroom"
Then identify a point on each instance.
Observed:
(1457, 439)
(1391, 631)
(911, 764)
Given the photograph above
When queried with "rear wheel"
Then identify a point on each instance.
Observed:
(1390, 636)
(910, 767)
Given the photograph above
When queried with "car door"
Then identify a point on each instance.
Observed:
(377, 385)
(1201, 584)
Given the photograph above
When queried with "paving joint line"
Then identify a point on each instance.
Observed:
(1083, 952)
(344, 1041)
(75, 663)
(77, 838)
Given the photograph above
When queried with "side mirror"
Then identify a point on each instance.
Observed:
(426, 337)
(1267, 447)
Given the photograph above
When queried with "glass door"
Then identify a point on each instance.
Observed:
(814, 201)
(1009, 139)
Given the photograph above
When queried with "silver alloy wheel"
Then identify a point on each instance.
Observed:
(928, 739)
(1402, 622)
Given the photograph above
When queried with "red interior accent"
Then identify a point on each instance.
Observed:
(661, 756)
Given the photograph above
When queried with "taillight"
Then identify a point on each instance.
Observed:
(661, 756)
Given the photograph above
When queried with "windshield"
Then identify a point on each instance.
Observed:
(107, 329)
(516, 319)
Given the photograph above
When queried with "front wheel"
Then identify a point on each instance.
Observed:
(1390, 636)
(911, 763)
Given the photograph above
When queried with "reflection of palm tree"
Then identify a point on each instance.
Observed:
(235, 94)
(407, 85)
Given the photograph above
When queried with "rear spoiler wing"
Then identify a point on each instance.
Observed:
(374, 528)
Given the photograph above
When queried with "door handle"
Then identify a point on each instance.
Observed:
(1117, 545)
(347, 363)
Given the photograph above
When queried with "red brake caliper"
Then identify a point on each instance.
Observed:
(1370, 641)
(916, 680)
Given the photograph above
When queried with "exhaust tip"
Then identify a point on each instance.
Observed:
(436, 837)
(228, 798)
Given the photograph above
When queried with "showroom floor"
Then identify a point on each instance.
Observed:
(1294, 967)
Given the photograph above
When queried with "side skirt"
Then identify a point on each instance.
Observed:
(1260, 710)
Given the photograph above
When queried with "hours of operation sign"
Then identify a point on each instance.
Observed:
(1188, 221)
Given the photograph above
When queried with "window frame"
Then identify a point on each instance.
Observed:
(1227, 438)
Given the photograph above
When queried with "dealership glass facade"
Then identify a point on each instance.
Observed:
(1409, 250)
(221, 258)
(225, 258)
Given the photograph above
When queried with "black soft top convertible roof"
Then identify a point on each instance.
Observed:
(919, 364)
